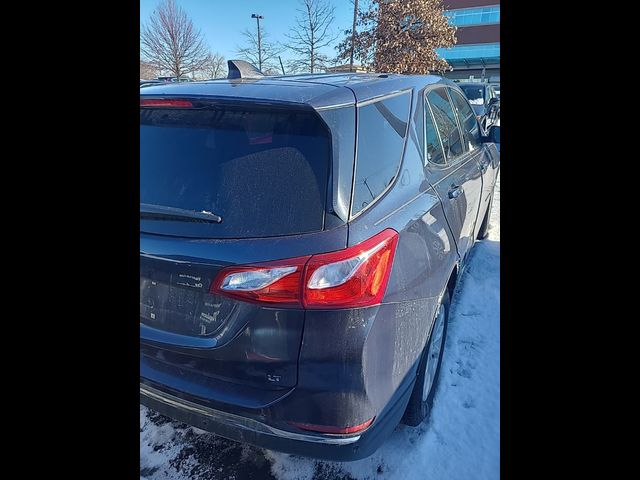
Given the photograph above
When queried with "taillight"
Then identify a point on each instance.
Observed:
(354, 277)
(163, 102)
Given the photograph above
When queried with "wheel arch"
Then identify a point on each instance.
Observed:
(453, 279)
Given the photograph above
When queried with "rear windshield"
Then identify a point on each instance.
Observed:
(264, 171)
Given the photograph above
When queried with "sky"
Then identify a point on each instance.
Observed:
(222, 21)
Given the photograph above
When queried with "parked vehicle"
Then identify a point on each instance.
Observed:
(161, 80)
(485, 102)
(175, 79)
(148, 83)
(294, 294)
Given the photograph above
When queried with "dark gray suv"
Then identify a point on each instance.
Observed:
(300, 241)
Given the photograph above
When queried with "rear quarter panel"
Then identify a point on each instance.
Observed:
(425, 255)
(373, 352)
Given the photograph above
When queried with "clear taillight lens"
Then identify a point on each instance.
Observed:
(249, 280)
(269, 283)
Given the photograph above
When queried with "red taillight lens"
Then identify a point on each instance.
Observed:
(154, 102)
(354, 277)
(330, 429)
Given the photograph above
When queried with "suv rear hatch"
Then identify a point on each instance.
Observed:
(264, 171)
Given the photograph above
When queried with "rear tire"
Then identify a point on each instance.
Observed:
(421, 401)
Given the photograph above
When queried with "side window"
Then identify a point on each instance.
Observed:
(467, 119)
(433, 150)
(446, 123)
(382, 127)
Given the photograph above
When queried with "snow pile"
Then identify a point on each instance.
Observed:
(460, 441)
(462, 438)
(494, 224)
(157, 442)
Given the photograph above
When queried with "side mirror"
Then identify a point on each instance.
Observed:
(493, 135)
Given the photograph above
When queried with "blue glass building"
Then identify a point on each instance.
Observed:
(476, 55)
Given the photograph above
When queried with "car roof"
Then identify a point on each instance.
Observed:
(318, 90)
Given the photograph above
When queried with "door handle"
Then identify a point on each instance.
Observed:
(455, 191)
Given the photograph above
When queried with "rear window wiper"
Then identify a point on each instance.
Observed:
(162, 212)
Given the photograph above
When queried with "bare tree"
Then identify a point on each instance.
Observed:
(216, 66)
(147, 71)
(272, 71)
(294, 67)
(171, 42)
(312, 32)
(270, 50)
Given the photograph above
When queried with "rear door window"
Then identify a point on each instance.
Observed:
(382, 128)
(434, 153)
(264, 171)
(467, 119)
(446, 123)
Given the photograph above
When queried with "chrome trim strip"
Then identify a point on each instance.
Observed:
(156, 257)
(243, 423)
(355, 164)
(333, 107)
(379, 98)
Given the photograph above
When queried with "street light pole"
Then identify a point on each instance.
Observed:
(258, 17)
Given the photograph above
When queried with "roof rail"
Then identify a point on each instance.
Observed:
(242, 69)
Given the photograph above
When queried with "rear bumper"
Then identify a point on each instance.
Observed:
(252, 431)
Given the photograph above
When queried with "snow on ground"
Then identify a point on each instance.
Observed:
(460, 441)
(494, 229)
